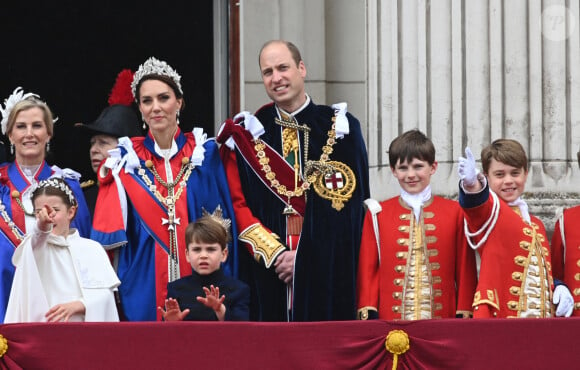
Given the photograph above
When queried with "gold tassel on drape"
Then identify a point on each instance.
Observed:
(397, 343)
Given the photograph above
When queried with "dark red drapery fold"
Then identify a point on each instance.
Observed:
(434, 344)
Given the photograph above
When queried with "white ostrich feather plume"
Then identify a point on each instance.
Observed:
(17, 96)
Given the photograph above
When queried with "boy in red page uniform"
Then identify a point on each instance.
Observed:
(515, 277)
(414, 260)
(566, 253)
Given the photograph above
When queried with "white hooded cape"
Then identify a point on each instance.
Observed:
(50, 267)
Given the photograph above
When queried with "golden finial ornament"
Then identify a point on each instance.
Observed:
(3, 345)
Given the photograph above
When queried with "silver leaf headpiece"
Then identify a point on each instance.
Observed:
(17, 96)
(217, 216)
(55, 182)
(154, 66)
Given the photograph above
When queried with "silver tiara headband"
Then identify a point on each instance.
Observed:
(17, 96)
(218, 216)
(154, 66)
(60, 185)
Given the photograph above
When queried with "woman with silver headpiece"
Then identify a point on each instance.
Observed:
(151, 188)
(28, 123)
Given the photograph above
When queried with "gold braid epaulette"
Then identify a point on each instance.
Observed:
(87, 184)
(491, 299)
(264, 244)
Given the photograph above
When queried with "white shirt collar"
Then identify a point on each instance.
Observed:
(297, 110)
(416, 201)
(164, 153)
(523, 206)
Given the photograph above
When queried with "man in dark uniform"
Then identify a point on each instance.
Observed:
(298, 175)
(115, 121)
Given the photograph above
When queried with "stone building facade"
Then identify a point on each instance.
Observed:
(464, 72)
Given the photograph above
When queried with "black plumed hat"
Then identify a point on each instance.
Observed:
(118, 119)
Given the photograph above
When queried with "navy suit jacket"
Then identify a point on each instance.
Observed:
(186, 289)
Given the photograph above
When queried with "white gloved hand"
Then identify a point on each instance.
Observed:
(466, 168)
(563, 299)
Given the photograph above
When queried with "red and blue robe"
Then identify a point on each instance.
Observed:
(138, 233)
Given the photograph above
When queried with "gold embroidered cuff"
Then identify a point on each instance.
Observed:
(491, 299)
(366, 313)
(265, 245)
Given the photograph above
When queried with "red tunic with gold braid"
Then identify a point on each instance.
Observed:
(515, 277)
(425, 269)
(566, 253)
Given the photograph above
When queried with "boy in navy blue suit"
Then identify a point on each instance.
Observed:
(197, 297)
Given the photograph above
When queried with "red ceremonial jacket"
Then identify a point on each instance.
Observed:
(382, 285)
(566, 253)
(510, 252)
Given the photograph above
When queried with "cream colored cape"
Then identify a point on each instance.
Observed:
(50, 267)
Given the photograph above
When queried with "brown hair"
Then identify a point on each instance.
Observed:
(409, 145)
(55, 187)
(291, 47)
(26, 104)
(206, 230)
(506, 151)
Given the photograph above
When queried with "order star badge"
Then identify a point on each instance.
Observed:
(170, 222)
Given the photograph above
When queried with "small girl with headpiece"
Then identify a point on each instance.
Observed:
(29, 124)
(60, 276)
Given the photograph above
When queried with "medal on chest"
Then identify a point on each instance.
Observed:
(331, 180)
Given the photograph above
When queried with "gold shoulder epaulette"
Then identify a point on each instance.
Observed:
(87, 184)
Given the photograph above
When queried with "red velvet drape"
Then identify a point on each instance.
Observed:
(434, 344)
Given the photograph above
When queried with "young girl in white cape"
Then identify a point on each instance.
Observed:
(60, 276)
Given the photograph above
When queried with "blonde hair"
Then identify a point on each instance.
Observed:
(27, 104)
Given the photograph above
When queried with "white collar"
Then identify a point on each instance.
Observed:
(297, 110)
(523, 206)
(29, 172)
(166, 153)
(416, 201)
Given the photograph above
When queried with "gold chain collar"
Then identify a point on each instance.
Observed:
(312, 169)
(184, 172)
(10, 223)
(16, 196)
(169, 201)
(6, 217)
